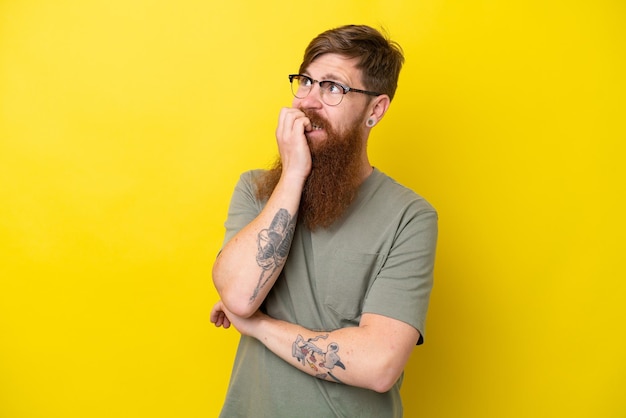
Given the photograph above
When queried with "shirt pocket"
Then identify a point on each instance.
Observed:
(349, 275)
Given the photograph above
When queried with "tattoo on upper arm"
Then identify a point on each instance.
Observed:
(323, 362)
(273, 247)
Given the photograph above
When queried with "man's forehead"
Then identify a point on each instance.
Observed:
(334, 67)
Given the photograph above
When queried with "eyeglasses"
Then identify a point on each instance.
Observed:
(332, 92)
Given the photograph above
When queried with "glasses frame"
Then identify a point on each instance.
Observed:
(346, 89)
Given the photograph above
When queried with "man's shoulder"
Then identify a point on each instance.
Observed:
(248, 179)
(251, 175)
(390, 191)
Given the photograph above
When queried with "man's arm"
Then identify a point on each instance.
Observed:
(249, 264)
(372, 355)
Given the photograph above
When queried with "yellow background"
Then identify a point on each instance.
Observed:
(124, 125)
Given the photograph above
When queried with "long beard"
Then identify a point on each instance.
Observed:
(333, 183)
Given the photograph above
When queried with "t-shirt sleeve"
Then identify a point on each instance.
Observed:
(402, 288)
(244, 206)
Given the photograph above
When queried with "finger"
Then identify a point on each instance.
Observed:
(214, 316)
(302, 124)
(220, 319)
(216, 312)
(293, 120)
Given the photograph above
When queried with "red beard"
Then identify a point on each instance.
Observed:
(334, 180)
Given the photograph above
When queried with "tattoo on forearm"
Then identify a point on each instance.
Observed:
(314, 357)
(273, 247)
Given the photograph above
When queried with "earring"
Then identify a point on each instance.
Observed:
(370, 122)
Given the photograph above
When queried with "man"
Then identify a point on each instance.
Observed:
(327, 263)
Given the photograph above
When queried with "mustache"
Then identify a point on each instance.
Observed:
(316, 119)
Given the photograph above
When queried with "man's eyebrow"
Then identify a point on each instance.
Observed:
(334, 77)
(329, 77)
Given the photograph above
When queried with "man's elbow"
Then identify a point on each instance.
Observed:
(386, 375)
(238, 305)
(234, 300)
(383, 385)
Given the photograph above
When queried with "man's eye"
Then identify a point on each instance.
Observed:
(305, 82)
(334, 88)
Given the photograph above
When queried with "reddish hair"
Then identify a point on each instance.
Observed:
(380, 59)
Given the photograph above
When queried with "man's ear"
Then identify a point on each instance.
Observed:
(378, 108)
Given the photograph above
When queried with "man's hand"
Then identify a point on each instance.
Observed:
(218, 315)
(292, 143)
(222, 317)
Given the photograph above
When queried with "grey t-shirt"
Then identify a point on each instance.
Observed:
(377, 258)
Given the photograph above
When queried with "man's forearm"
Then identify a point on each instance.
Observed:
(371, 356)
(249, 264)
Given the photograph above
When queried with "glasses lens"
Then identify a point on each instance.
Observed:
(331, 93)
(300, 86)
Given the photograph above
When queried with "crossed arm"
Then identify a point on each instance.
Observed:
(249, 264)
(372, 355)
